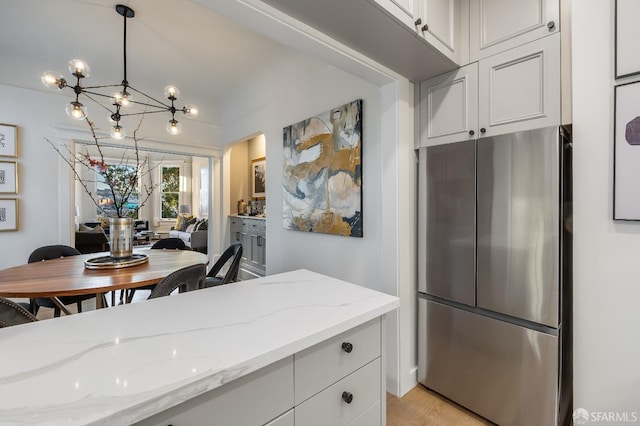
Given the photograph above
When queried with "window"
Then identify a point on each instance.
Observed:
(170, 191)
(105, 195)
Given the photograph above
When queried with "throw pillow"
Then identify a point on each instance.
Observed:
(178, 223)
(98, 228)
(190, 228)
(202, 225)
(84, 228)
(188, 221)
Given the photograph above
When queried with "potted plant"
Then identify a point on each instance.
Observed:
(124, 194)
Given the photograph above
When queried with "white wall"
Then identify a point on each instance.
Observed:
(297, 89)
(606, 266)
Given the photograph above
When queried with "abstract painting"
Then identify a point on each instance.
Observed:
(626, 153)
(322, 186)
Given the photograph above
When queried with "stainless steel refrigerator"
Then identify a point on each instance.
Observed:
(495, 275)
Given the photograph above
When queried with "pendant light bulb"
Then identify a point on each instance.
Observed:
(190, 111)
(122, 98)
(174, 127)
(171, 92)
(117, 132)
(52, 80)
(76, 110)
(79, 68)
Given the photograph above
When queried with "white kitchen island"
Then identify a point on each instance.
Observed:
(297, 346)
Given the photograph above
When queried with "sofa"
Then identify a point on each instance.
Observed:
(193, 232)
(91, 239)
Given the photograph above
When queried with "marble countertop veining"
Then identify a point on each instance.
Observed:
(119, 365)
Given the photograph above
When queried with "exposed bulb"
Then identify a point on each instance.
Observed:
(171, 92)
(122, 98)
(190, 111)
(117, 132)
(79, 68)
(174, 127)
(52, 80)
(76, 110)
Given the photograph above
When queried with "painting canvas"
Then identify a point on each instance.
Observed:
(258, 178)
(626, 179)
(627, 33)
(8, 177)
(322, 189)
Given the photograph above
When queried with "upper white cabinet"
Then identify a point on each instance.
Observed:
(509, 92)
(406, 11)
(449, 107)
(499, 25)
(520, 89)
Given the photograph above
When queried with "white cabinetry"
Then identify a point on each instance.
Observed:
(511, 91)
(499, 25)
(336, 382)
(252, 234)
(449, 107)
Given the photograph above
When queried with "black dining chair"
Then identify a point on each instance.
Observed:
(186, 279)
(165, 243)
(55, 252)
(170, 243)
(13, 314)
(230, 256)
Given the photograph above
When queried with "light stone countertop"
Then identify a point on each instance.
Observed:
(119, 365)
(248, 217)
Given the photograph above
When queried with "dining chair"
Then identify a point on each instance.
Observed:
(231, 256)
(55, 252)
(13, 314)
(170, 243)
(165, 243)
(189, 278)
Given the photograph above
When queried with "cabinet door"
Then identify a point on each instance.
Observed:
(520, 88)
(245, 240)
(449, 107)
(255, 258)
(499, 25)
(406, 11)
(439, 25)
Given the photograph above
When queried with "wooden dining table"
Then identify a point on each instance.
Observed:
(68, 276)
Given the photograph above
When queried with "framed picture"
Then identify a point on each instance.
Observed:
(258, 178)
(8, 177)
(9, 214)
(8, 140)
(627, 35)
(626, 152)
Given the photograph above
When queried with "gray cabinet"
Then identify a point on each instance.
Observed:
(252, 234)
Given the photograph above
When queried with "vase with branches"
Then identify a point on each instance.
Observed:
(127, 180)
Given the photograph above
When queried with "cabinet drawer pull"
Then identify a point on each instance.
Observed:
(425, 27)
(347, 347)
(418, 21)
(551, 25)
(471, 132)
(347, 397)
(483, 130)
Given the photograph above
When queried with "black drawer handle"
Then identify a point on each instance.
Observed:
(347, 397)
(347, 347)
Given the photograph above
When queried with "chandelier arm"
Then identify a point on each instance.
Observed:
(102, 86)
(149, 97)
(85, 93)
(128, 114)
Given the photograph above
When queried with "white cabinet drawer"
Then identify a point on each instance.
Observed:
(327, 362)
(329, 406)
(287, 419)
(254, 399)
(369, 417)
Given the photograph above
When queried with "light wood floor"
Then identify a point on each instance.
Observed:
(421, 407)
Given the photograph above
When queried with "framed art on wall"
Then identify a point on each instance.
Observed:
(8, 140)
(626, 152)
(627, 31)
(8, 177)
(258, 178)
(9, 214)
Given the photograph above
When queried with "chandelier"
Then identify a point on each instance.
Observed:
(123, 98)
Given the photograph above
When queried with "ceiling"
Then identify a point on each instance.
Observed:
(168, 42)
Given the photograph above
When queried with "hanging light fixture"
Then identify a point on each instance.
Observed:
(123, 97)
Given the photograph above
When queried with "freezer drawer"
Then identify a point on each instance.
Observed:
(505, 373)
(451, 221)
(519, 226)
